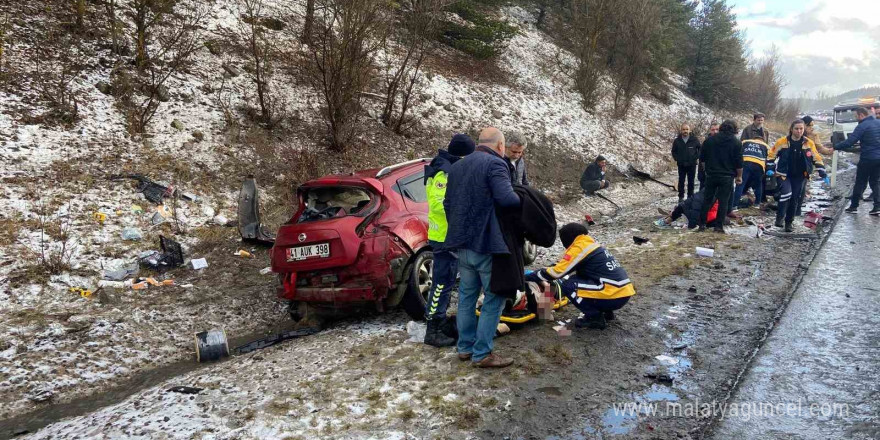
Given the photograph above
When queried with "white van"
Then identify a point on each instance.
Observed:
(845, 120)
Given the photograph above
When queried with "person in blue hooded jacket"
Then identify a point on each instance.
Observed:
(477, 184)
(445, 260)
(868, 169)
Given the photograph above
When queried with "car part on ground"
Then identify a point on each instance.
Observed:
(249, 225)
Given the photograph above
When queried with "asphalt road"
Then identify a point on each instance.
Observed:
(818, 374)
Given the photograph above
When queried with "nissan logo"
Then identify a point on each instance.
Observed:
(302, 237)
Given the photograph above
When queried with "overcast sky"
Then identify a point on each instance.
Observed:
(827, 45)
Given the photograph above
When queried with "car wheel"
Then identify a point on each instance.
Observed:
(530, 252)
(419, 283)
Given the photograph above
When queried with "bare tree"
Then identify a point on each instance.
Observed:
(309, 22)
(404, 57)
(54, 75)
(342, 50)
(586, 29)
(4, 29)
(80, 12)
(261, 52)
(146, 16)
(630, 57)
(174, 39)
(113, 25)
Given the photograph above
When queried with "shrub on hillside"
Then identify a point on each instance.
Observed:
(482, 36)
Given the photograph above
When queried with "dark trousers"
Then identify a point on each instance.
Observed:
(442, 281)
(590, 307)
(717, 188)
(753, 177)
(789, 197)
(701, 176)
(686, 172)
(867, 173)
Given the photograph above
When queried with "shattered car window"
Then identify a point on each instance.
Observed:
(329, 202)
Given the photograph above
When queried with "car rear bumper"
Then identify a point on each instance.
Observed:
(335, 294)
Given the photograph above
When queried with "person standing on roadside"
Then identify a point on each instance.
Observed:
(476, 185)
(445, 260)
(686, 152)
(721, 156)
(701, 173)
(792, 158)
(756, 129)
(868, 168)
(515, 154)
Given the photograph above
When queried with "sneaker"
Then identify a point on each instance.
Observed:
(875, 211)
(609, 315)
(660, 223)
(596, 322)
(788, 227)
(493, 361)
(464, 356)
(852, 209)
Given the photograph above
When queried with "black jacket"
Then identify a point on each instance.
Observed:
(534, 220)
(593, 172)
(722, 155)
(686, 153)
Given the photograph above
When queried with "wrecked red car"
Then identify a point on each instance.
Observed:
(357, 241)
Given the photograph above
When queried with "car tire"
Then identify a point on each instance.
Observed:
(418, 284)
(530, 252)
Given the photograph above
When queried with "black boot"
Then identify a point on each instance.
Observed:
(778, 223)
(435, 336)
(609, 315)
(788, 227)
(596, 322)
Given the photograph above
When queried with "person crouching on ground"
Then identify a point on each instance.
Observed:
(476, 185)
(792, 159)
(690, 208)
(721, 157)
(445, 260)
(754, 155)
(591, 278)
(593, 178)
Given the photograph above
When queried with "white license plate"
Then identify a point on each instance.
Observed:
(320, 250)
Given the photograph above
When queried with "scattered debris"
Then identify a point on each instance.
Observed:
(185, 390)
(83, 292)
(157, 219)
(153, 191)
(113, 284)
(211, 345)
(243, 253)
(121, 274)
(589, 219)
(221, 220)
(705, 252)
(170, 257)
(416, 331)
(100, 217)
(266, 270)
(137, 209)
(660, 377)
(643, 175)
(199, 263)
(813, 219)
(640, 240)
(186, 286)
(562, 330)
(692, 289)
(132, 234)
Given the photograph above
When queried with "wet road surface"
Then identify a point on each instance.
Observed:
(822, 361)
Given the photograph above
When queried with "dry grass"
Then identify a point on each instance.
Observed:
(557, 354)
(666, 258)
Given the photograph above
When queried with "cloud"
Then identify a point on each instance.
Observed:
(827, 45)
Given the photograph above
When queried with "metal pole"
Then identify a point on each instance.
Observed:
(834, 168)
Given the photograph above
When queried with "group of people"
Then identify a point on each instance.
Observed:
(727, 168)
(481, 208)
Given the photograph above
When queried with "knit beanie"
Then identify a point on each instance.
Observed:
(461, 145)
(569, 232)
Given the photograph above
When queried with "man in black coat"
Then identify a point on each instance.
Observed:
(721, 157)
(593, 178)
(686, 152)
